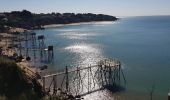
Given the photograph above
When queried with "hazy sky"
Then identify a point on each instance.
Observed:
(112, 7)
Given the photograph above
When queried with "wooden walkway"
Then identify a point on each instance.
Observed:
(81, 81)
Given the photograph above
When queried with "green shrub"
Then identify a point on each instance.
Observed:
(14, 83)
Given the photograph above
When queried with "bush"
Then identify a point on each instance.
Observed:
(13, 82)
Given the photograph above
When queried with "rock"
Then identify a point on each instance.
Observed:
(28, 58)
(43, 67)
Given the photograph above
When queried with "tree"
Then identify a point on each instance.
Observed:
(26, 14)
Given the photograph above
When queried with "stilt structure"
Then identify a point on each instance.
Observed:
(20, 45)
(41, 41)
(50, 53)
(31, 44)
(41, 46)
(107, 74)
(26, 44)
(33, 39)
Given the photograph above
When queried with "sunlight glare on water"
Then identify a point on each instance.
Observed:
(140, 43)
(75, 35)
(88, 54)
(102, 95)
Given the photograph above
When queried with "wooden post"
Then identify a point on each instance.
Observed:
(44, 83)
(110, 75)
(55, 84)
(67, 79)
(101, 72)
(20, 44)
(169, 96)
(88, 78)
(119, 66)
(105, 75)
(33, 39)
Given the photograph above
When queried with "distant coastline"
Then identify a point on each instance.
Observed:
(79, 23)
(27, 20)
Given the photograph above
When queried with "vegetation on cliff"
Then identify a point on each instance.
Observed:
(28, 20)
(14, 83)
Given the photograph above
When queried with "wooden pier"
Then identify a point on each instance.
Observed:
(77, 81)
(107, 74)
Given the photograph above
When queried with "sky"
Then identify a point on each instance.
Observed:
(110, 7)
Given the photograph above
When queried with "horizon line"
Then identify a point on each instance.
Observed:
(34, 12)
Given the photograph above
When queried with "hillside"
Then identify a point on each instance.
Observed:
(28, 20)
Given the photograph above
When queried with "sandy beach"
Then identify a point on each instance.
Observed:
(80, 23)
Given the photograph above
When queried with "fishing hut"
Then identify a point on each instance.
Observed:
(50, 53)
(41, 41)
(41, 45)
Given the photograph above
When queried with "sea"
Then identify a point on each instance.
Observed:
(141, 44)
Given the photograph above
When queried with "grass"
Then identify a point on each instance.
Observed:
(15, 85)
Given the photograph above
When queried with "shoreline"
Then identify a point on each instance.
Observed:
(10, 52)
(33, 73)
(73, 24)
